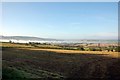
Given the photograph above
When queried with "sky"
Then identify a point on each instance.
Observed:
(61, 20)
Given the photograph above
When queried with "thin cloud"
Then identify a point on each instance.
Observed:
(101, 35)
(107, 34)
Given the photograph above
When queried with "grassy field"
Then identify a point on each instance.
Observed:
(25, 61)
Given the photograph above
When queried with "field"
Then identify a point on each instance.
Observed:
(25, 61)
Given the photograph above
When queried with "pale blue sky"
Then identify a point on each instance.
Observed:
(92, 20)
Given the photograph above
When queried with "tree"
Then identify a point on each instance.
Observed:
(10, 41)
(117, 49)
(82, 49)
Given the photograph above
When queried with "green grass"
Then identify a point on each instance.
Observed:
(14, 73)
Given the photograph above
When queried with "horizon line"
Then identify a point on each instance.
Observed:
(62, 38)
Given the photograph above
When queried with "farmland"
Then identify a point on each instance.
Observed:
(29, 61)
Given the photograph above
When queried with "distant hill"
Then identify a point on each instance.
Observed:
(26, 38)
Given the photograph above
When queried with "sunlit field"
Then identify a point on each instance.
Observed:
(26, 61)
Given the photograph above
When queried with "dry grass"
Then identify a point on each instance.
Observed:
(14, 45)
(107, 54)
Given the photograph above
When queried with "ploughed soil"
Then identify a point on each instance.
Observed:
(29, 63)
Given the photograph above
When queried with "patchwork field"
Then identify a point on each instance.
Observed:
(23, 61)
